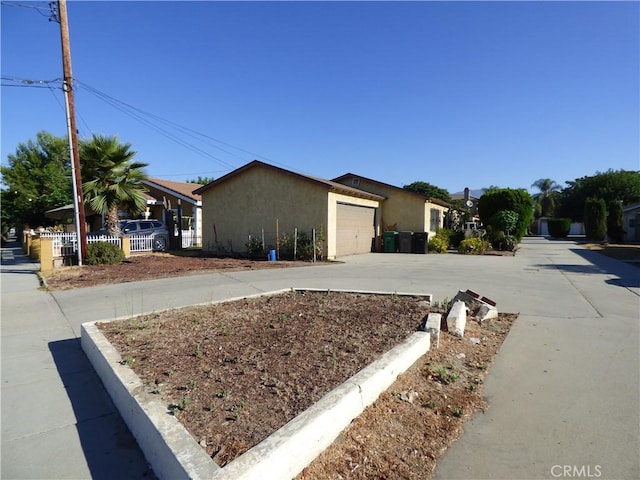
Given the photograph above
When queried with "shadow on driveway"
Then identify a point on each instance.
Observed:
(628, 275)
(109, 447)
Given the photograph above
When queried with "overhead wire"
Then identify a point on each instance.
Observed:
(139, 115)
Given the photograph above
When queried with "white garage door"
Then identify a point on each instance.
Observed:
(354, 229)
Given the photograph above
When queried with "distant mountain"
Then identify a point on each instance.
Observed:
(474, 193)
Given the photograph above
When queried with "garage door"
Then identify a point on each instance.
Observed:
(354, 229)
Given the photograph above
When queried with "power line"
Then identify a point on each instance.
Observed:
(52, 10)
(132, 112)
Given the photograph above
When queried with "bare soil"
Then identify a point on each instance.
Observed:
(233, 373)
(149, 267)
(629, 253)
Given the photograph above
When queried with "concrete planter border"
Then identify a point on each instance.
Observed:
(174, 454)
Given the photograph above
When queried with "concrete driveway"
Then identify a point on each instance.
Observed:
(563, 391)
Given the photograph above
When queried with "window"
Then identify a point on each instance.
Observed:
(355, 182)
(434, 224)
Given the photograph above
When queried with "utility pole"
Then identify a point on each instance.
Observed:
(67, 85)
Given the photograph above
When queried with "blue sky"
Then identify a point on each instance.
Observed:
(452, 93)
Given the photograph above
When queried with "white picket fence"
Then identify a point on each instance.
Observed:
(66, 244)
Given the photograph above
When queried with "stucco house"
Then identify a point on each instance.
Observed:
(167, 196)
(402, 210)
(259, 199)
(631, 222)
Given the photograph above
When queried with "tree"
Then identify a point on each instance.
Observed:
(615, 229)
(620, 185)
(595, 218)
(516, 200)
(201, 180)
(111, 181)
(37, 179)
(429, 190)
(546, 197)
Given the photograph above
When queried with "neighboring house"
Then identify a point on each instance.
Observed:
(259, 198)
(167, 195)
(468, 200)
(162, 196)
(631, 223)
(402, 210)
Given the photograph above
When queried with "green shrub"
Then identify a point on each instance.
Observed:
(595, 219)
(504, 220)
(473, 246)
(515, 200)
(101, 253)
(254, 247)
(614, 222)
(559, 227)
(438, 244)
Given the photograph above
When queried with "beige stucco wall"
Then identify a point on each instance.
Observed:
(428, 206)
(254, 200)
(403, 209)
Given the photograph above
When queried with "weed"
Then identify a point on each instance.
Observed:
(458, 412)
(334, 361)
(170, 372)
(443, 375)
(128, 361)
(298, 390)
(445, 304)
(198, 350)
(430, 404)
(282, 317)
(184, 404)
(222, 394)
(235, 411)
(191, 384)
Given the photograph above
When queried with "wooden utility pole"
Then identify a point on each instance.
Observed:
(67, 85)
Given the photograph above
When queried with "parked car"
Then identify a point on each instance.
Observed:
(154, 228)
(142, 227)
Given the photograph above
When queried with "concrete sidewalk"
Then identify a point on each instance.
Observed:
(58, 422)
(562, 392)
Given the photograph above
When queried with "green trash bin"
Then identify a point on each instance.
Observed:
(390, 241)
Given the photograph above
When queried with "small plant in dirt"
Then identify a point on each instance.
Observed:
(430, 404)
(101, 253)
(183, 404)
(198, 350)
(222, 394)
(128, 361)
(444, 375)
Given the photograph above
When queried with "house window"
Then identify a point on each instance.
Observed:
(355, 182)
(434, 224)
(632, 223)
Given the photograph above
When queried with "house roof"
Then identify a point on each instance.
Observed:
(630, 208)
(330, 185)
(179, 189)
(436, 201)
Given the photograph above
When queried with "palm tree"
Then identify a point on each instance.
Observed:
(545, 198)
(111, 181)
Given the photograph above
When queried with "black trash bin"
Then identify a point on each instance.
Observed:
(405, 242)
(420, 242)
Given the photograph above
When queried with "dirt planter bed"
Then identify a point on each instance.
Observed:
(174, 453)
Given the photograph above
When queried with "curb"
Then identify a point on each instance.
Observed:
(174, 454)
